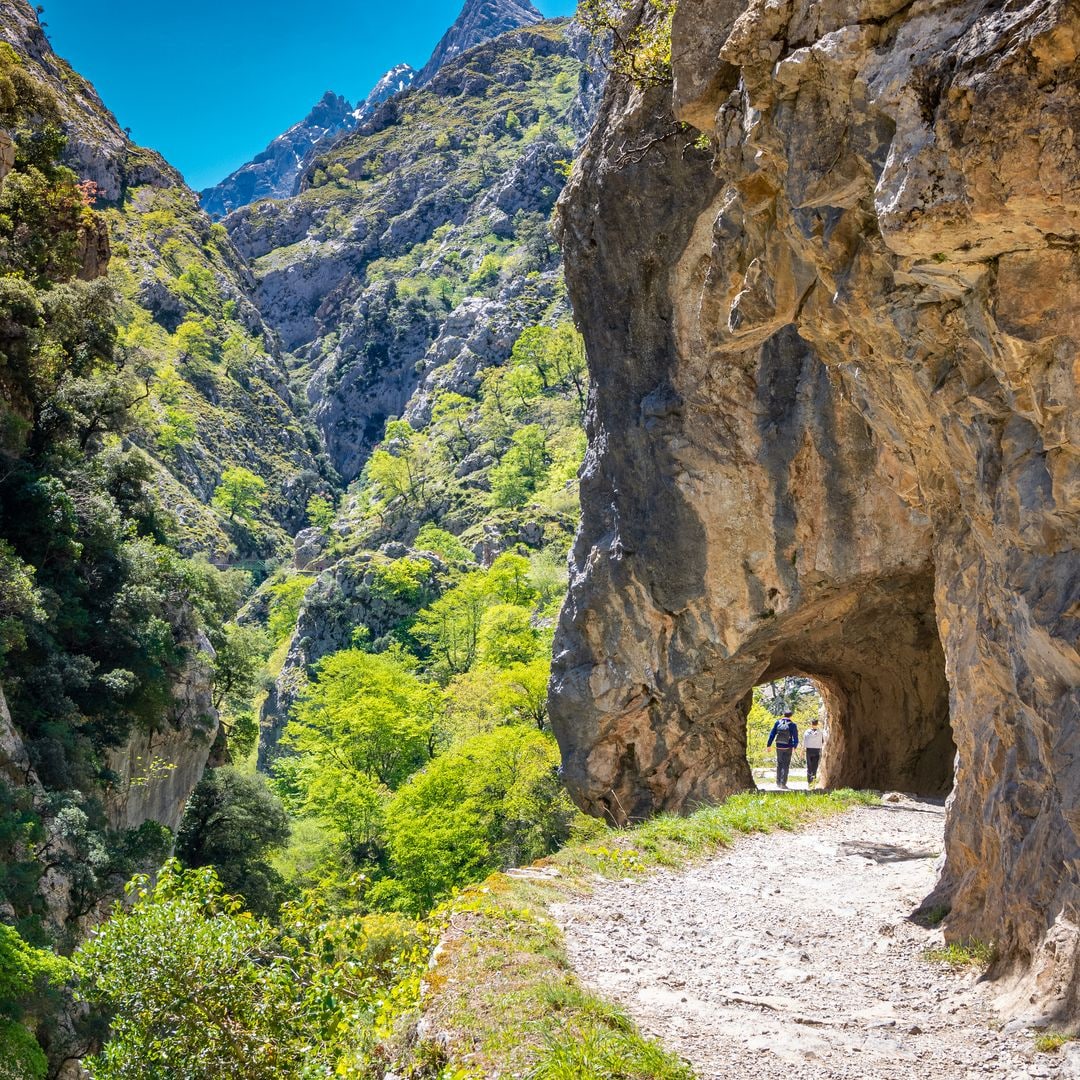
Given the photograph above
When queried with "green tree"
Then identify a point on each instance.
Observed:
(230, 824)
(487, 272)
(320, 513)
(286, 599)
(442, 543)
(510, 579)
(450, 627)
(788, 694)
(20, 600)
(240, 654)
(400, 468)
(364, 724)
(26, 998)
(200, 989)
(452, 425)
(507, 636)
(525, 691)
(522, 468)
(239, 494)
(492, 802)
(403, 581)
(485, 698)
(194, 338)
(556, 354)
(640, 37)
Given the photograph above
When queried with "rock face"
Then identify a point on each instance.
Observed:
(273, 173)
(156, 771)
(834, 347)
(479, 21)
(97, 149)
(396, 81)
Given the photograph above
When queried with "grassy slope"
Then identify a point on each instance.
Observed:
(502, 999)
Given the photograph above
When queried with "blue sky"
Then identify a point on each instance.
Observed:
(209, 83)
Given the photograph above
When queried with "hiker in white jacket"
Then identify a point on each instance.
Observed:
(813, 740)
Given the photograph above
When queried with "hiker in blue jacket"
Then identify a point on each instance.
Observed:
(786, 734)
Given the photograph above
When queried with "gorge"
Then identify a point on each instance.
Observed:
(759, 316)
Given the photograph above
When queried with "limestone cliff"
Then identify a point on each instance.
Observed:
(834, 342)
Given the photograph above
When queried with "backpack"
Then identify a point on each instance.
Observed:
(783, 734)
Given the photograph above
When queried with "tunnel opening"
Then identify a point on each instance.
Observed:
(876, 676)
(800, 697)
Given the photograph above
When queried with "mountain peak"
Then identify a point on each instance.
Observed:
(273, 172)
(397, 79)
(479, 21)
(329, 109)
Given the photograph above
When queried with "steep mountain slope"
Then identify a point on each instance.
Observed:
(425, 271)
(217, 387)
(420, 243)
(275, 173)
(136, 371)
(479, 21)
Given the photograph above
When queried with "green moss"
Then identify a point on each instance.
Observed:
(1050, 1042)
(970, 953)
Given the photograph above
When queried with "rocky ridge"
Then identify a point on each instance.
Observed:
(479, 21)
(276, 172)
(396, 81)
(833, 344)
(272, 173)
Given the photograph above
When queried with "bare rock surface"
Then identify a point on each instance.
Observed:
(833, 346)
(794, 954)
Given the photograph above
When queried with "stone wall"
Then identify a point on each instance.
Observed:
(834, 345)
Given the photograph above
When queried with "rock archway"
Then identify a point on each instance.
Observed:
(881, 673)
(834, 428)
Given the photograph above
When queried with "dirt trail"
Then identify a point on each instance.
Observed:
(792, 955)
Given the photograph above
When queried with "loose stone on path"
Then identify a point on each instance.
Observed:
(793, 955)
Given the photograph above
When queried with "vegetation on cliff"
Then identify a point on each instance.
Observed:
(99, 616)
(324, 994)
(148, 418)
(419, 246)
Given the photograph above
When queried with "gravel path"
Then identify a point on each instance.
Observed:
(792, 955)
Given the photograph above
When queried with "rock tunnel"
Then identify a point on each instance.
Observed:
(828, 283)
(881, 674)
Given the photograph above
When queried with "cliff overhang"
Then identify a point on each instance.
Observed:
(829, 284)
